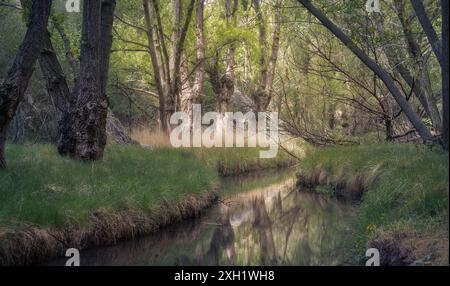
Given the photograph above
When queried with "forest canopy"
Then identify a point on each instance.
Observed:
(335, 72)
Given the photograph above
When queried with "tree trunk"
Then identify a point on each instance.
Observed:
(86, 132)
(380, 72)
(263, 94)
(428, 28)
(55, 81)
(445, 71)
(389, 131)
(419, 86)
(191, 95)
(166, 70)
(197, 88)
(15, 84)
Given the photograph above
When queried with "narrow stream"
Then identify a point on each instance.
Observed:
(261, 220)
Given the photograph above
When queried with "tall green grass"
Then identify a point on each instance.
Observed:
(41, 188)
(411, 189)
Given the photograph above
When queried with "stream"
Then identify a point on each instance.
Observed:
(261, 219)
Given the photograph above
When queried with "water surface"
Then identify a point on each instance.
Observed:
(261, 219)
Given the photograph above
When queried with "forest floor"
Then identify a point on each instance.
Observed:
(402, 191)
(48, 203)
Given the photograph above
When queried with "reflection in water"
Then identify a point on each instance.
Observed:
(254, 225)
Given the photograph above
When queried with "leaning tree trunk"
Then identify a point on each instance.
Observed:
(55, 81)
(420, 87)
(428, 28)
(15, 84)
(413, 117)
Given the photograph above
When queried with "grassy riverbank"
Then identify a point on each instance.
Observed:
(239, 161)
(45, 198)
(48, 203)
(403, 191)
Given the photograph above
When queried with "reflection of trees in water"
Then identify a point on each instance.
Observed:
(314, 225)
(286, 228)
(222, 242)
(142, 251)
(263, 225)
(276, 226)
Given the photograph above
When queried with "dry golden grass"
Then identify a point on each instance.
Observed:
(152, 139)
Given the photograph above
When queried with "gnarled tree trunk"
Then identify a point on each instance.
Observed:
(222, 81)
(85, 134)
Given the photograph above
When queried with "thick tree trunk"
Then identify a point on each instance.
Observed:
(15, 84)
(85, 135)
(107, 20)
(90, 111)
(57, 87)
(445, 71)
(66, 142)
(379, 71)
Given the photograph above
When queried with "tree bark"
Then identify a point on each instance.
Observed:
(445, 71)
(166, 69)
(55, 81)
(85, 135)
(379, 71)
(263, 94)
(191, 95)
(223, 82)
(16, 82)
(419, 86)
(54, 78)
(158, 70)
(428, 28)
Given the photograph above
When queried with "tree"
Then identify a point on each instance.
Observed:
(268, 61)
(441, 52)
(166, 68)
(222, 81)
(192, 94)
(15, 84)
(421, 86)
(84, 135)
(377, 69)
(444, 72)
(428, 28)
